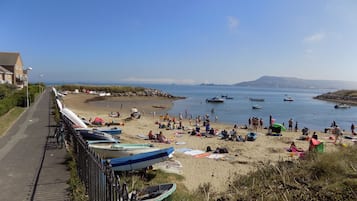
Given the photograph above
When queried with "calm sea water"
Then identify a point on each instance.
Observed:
(308, 112)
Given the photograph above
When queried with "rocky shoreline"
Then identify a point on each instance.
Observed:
(341, 96)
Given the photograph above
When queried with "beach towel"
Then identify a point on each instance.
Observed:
(194, 152)
(203, 155)
(182, 150)
(142, 136)
(216, 156)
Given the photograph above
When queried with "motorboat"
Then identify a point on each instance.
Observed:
(215, 100)
(255, 107)
(288, 99)
(257, 99)
(342, 106)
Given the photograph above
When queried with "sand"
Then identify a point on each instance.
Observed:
(242, 158)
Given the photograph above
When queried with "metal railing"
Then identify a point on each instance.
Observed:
(96, 174)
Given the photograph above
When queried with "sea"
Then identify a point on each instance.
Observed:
(305, 110)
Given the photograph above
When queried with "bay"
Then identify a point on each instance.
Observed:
(308, 112)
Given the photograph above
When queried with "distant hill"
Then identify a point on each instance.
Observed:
(291, 82)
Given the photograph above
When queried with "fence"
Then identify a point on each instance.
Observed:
(99, 179)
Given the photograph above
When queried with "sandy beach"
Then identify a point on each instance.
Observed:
(242, 158)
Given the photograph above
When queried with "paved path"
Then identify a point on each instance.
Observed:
(31, 165)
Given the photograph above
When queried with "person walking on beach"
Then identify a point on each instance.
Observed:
(338, 132)
(290, 124)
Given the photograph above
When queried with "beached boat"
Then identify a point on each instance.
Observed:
(257, 99)
(255, 107)
(73, 118)
(288, 99)
(155, 193)
(142, 160)
(108, 130)
(117, 150)
(215, 100)
(342, 106)
(90, 134)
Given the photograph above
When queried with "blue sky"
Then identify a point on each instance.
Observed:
(181, 41)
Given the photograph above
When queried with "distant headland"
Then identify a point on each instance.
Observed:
(341, 96)
(292, 82)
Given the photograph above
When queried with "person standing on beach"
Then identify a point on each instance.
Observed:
(353, 129)
(290, 124)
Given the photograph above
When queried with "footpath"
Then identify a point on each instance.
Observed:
(32, 165)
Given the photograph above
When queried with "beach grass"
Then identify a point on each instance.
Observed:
(327, 176)
(9, 118)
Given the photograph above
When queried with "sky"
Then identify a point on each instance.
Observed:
(181, 41)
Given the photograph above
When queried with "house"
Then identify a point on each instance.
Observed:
(11, 69)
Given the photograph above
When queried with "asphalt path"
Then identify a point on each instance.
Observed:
(31, 164)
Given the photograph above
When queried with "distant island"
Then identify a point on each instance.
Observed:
(291, 82)
(342, 96)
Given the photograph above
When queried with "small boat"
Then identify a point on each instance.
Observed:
(155, 193)
(90, 134)
(257, 99)
(342, 106)
(142, 160)
(255, 107)
(117, 150)
(288, 99)
(110, 130)
(215, 100)
(73, 118)
(251, 136)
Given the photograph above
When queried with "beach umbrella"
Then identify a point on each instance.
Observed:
(277, 125)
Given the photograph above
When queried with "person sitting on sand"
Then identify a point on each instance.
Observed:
(151, 136)
(224, 134)
(293, 148)
(313, 142)
(193, 132)
(162, 138)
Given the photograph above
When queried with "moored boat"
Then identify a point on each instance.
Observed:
(257, 99)
(117, 150)
(342, 106)
(288, 98)
(215, 100)
(255, 107)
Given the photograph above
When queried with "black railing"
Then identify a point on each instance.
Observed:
(96, 174)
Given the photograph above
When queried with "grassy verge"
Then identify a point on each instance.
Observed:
(9, 118)
(76, 187)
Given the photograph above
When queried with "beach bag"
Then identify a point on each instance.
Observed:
(208, 149)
